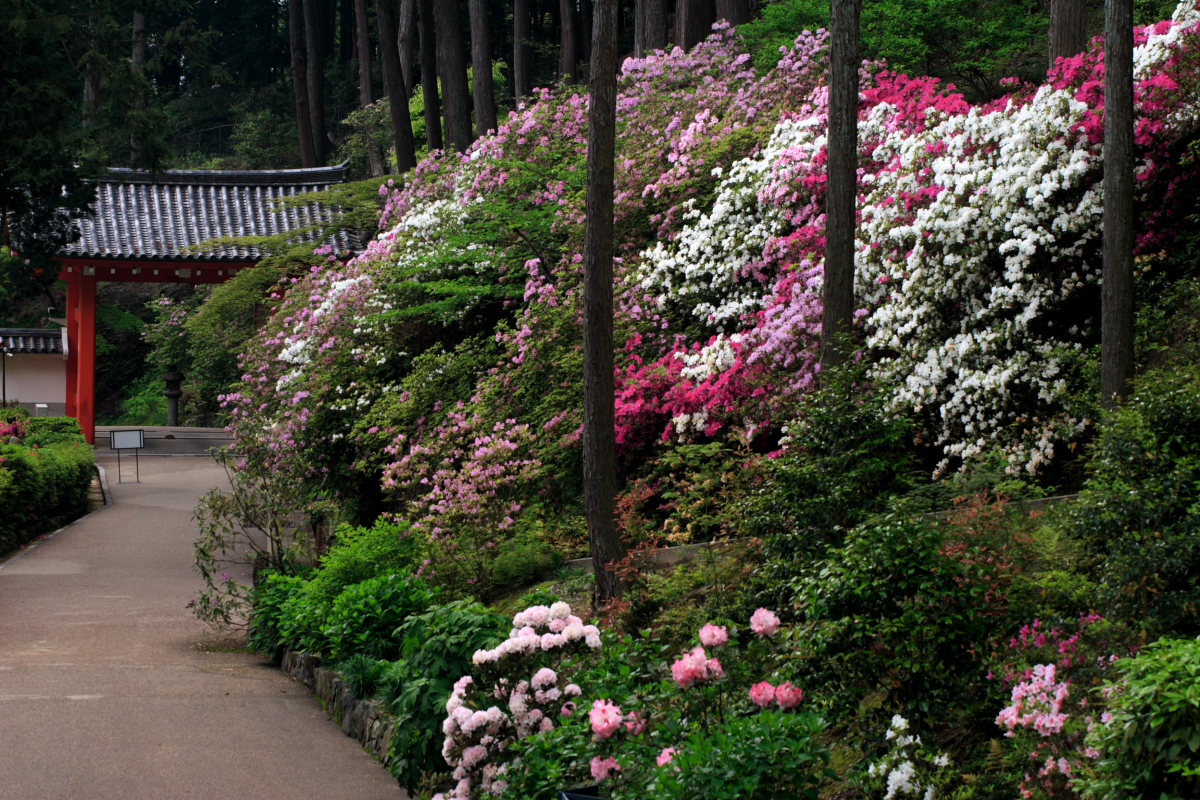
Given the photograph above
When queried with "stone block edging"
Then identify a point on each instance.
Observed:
(365, 720)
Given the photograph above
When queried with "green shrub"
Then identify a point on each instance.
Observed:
(269, 598)
(437, 646)
(769, 755)
(45, 431)
(889, 613)
(361, 674)
(41, 487)
(521, 560)
(1150, 748)
(1139, 514)
(303, 615)
(359, 553)
(365, 616)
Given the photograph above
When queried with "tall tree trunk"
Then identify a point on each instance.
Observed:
(481, 66)
(1116, 318)
(693, 21)
(584, 34)
(735, 12)
(308, 152)
(406, 41)
(315, 77)
(568, 53)
(362, 36)
(599, 439)
(452, 69)
(520, 70)
(393, 81)
(91, 71)
(639, 28)
(347, 33)
(1068, 28)
(429, 77)
(137, 65)
(838, 291)
(654, 21)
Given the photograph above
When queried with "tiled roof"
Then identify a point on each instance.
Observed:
(159, 216)
(32, 340)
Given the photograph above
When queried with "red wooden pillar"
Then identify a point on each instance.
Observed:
(81, 360)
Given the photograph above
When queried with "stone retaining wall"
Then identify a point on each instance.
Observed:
(364, 720)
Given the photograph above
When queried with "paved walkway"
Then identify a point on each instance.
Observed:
(110, 689)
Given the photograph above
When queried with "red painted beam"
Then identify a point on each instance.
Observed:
(151, 271)
(85, 381)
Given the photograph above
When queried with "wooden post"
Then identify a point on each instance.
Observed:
(81, 358)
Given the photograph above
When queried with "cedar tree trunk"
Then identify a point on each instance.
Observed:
(481, 68)
(452, 69)
(308, 151)
(599, 447)
(1116, 317)
(838, 291)
(429, 82)
(393, 81)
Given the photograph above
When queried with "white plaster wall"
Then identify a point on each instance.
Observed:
(32, 378)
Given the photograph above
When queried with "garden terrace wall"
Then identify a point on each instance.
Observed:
(365, 720)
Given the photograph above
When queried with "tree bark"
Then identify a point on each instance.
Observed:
(366, 96)
(452, 69)
(693, 21)
(308, 157)
(1116, 316)
(838, 291)
(599, 439)
(568, 54)
(393, 81)
(429, 82)
(1068, 28)
(406, 41)
(481, 67)
(520, 70)
(655, 22)
(735, 12)
(137, 65)
(315, 77)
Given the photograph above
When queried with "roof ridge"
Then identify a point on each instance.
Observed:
(229, 177)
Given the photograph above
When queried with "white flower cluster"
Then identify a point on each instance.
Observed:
(970, 242)
(712, 359)
(903, 772)
(704, 268)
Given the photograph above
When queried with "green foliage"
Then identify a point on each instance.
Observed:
(361, 674)
(888, 612)
(269, 597)
(359, 553)
(44, 431)
(144, 403)
(969, 44)
(1150, 749)
(303, 615)
(769, 755)
(41, 487)
(848, 453)
(1139, 514)
(437, 646)
(522, 559)
(364, 617)
(551, 761)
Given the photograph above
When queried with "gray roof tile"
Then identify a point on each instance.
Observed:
(160, 216)
(32, 340)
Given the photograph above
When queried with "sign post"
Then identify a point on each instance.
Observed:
(128, 440)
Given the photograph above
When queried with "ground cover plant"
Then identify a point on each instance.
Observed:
(970, 654)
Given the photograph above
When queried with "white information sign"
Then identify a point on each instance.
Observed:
(128, 440)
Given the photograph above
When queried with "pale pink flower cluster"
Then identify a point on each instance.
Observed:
(696, 666)
(713, 635)
(764, 622)
(666, 756)
(1036, 703)
(606, 718)
(539, 628)
(603, 767)
(477, 738)
(785, 695)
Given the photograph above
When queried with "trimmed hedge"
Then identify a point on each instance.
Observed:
(41, 485)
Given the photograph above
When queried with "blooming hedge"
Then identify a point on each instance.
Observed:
(441, 365)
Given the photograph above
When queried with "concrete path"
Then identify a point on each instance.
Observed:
(110, 689)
